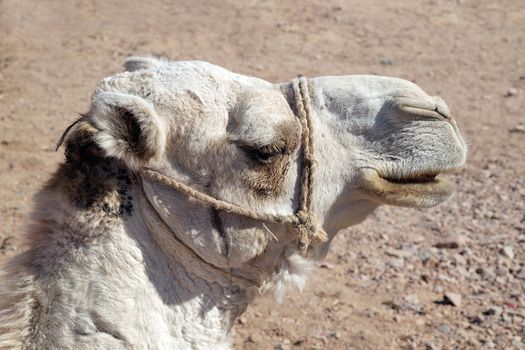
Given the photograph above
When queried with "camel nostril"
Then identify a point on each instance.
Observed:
(445, 116)
(442, 108)
(424, 107)
(426, 112)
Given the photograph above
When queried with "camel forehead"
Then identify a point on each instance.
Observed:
(190, 95)
(167, 78)
(146, 75)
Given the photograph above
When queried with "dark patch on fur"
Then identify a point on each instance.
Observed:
(217, 224)
(91, 180)
(271, 162)
(267, 179)
(131, 134)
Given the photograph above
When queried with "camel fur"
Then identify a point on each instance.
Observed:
(113, 260)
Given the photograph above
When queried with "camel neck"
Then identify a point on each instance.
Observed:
(115, 286)
(198, 305)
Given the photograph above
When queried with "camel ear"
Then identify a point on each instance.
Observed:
(129, 128)
(137, 63)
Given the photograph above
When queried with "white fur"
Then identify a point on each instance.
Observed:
(292, 274)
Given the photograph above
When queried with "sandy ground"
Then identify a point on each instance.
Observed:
(383, 283)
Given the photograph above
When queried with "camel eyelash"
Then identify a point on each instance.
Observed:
(263, 154)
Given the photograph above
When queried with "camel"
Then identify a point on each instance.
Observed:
(187, 190)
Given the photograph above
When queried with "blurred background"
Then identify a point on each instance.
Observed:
(382, 285)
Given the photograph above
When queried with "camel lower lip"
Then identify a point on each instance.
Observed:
(421, 190)
(416, 179)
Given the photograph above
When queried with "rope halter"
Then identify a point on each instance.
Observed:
(303, 220)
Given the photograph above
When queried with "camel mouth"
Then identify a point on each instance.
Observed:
(422, 178)
(422, 189)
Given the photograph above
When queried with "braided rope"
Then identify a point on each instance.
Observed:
(308, 228)
(218, 204)
(304, 219)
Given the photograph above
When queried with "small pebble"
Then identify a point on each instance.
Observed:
(444, 328)
(423, 255)
(411, 346)
(283, 345)
(453, 299)
(412, 298)
(511, 92)
(299, 342)
(475, 320)
(326, 265)
(254, 338)
(508, 252)
(398, 253)
(396, 262)
(494, 310)
(430, 346)
(453, 243)
(518, 128)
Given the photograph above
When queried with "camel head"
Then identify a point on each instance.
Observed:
(377, 140)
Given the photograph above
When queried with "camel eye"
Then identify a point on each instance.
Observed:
(263, 154)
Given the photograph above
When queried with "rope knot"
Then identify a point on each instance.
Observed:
(305, 230)
(303, 217)
(308, 231)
